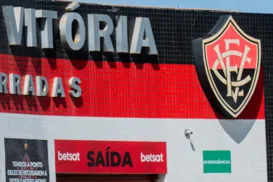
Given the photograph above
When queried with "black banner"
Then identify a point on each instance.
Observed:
(26, 160)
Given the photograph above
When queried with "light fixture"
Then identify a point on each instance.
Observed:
(188, 133)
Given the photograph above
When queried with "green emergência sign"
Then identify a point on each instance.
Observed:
(218, 161)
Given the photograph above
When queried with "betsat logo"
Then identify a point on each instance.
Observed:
(151, 157)
(66, 156)
(217, 161)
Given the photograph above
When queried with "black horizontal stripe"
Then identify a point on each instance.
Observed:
(173, 31)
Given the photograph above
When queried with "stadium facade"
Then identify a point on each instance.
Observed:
(92, 92)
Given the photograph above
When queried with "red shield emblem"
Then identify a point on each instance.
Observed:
(228, 65)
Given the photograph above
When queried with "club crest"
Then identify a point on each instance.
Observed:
(228, 65)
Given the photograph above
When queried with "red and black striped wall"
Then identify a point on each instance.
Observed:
(118, 89)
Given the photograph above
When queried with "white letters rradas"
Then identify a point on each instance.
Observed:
(15, 85)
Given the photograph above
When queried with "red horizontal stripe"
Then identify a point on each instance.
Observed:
(118, 89)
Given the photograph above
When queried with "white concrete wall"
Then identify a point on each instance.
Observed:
(245, 139)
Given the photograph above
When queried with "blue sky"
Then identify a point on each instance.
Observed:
(254, 6)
